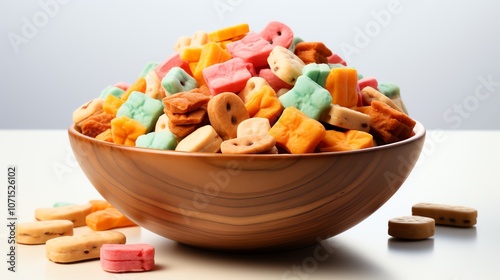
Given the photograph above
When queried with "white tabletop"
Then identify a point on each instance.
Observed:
(456, 167)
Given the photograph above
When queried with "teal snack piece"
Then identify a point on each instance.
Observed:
(389, 89)
(177, 80)
(150, 66)
(317, 72)
(61, 204)
(295, 41)
(142, 108)
(307, 96)
(164, 140)
(111, 90)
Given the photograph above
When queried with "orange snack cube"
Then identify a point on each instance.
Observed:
(108, 218)
(336, 141)
(99, 204)
(211, 54)
(342, 84)
(191, 54)
(112, 104)
(265, 104)
(296, 132)
(228, 33)
(138, 85)
(126, 130)
(105, 136)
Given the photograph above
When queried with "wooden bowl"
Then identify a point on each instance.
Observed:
(246, 202)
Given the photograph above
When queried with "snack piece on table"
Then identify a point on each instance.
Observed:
(142, 108)
(411, 227)
(346, 118)
(253, 126)
(127, 257)
(296, 132)
(99, 204)
(450, 215)
(40, 231)
(342, 83)
(125, 130)
(74, 213)
(337, 141)
(308, 97)
(285, 64)
(204, 139)
(253, 144)
(108, 218)
(387, 123)
(96, 124)
(68, 249)
(225, 112)
(264, 103)
(312, 52)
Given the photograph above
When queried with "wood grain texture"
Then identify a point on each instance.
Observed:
(242, 202)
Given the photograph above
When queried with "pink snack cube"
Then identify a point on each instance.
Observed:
(170, 62)
(229, 76)
(251, 49)
(275, 82)
(127, 257)
(367, 82)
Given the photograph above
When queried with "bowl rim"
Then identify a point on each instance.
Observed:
(419, 132)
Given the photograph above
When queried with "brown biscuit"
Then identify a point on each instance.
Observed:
(312, 52)
(411, 227)
(189, 118)
(73, 213)
(184, 102)
(40, 231)
(225, 111)
(255, 144)
(96, 124)
(67, 249)
(449, 215)
(387, 123)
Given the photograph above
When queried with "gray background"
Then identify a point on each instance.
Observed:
(58, 54)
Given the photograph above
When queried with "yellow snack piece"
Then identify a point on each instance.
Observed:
(264, 104)
(126, 130)
(108, 218)
(342, 84)
(211, 54)
(105, 136)
(229, 32)
(99, 204)
(296, 132)
(191, 54)
(112, 104)
(138, 85)
(337, 141)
